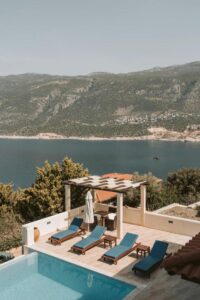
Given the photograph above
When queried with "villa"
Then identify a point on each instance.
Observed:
(88, 276)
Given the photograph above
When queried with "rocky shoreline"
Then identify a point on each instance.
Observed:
(155, 134)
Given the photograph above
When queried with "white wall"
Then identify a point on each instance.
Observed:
(172, 224)
(77, 212)
(132, 215)
(45, 226)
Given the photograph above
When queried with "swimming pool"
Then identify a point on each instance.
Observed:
(38, 276)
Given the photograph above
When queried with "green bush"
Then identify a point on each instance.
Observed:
(10, 228)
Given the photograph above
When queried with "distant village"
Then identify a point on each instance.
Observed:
(154, 118)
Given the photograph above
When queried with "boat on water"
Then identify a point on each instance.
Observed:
(156, 158)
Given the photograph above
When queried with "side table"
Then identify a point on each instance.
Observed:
(109, 240)
(142, 250)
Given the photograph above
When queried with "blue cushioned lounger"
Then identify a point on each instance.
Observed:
(149, 263)
(126, 246)
(72, 231)
(94, 239)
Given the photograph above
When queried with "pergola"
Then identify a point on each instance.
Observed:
(119, 186)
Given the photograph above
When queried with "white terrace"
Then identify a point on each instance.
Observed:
(92, 258)
(148, 225)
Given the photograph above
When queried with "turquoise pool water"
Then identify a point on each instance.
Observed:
(41, 277)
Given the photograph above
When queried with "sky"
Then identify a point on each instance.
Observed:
(74, 37)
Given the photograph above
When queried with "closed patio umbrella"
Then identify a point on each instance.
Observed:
(89, 214)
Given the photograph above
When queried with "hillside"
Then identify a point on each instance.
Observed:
(101, 104)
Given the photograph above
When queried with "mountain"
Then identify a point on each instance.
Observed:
(101, 104)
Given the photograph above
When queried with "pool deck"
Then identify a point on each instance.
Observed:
(123, 270)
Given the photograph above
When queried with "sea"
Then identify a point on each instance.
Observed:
(19, 158)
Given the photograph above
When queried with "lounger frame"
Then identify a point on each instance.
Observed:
(68, 237)
(83, 250)
(115, 259)
(154, 267)
(148, 272)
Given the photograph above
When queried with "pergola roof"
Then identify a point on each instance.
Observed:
(106, 184)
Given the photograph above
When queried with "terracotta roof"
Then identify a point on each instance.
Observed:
(102, 196)
(118, 176)
(186, 261)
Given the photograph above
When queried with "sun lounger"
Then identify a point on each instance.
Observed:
(94, 239)
(5, 256)
(72, 231)
(153, 260)
(126, 246)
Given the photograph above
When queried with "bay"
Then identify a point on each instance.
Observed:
(19, 158)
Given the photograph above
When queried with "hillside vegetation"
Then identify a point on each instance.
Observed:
(101, 104)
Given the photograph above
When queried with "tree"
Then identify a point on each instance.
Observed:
(158, 194)
(46, 196)
(186, 183)
(7, 196)
(10, 226)
(153, 192)
(73, 170)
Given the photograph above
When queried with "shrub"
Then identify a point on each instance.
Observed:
(198, 211)
(10, 228)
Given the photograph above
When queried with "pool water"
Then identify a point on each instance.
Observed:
(41, 277)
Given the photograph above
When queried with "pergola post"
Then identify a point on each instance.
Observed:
(67, 197)
(119, 215)
(143, 203)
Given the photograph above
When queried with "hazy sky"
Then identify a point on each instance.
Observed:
(82, 36)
